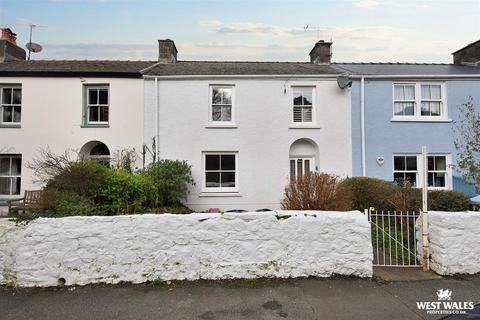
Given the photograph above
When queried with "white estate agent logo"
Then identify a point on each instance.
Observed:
(444, 304)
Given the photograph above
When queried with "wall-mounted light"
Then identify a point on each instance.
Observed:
(380, 161)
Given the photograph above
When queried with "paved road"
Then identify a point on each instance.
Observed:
(266, 299)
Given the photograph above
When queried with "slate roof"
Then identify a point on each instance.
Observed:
(72, 68)
(406, 69)
(239, 68)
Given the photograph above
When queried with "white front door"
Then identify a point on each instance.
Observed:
(301, 166)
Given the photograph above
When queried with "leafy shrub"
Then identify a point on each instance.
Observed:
(448, 201)
(371, 192)
(125, 193)
(82, 178)
(406, 198)
(176, 209)
(171, 179)
(74, 205)
(317, 191)
(48, 199)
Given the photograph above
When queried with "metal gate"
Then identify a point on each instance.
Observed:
(394, 238)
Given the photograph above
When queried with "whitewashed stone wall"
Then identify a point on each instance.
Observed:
(454, 242)
(149, 247)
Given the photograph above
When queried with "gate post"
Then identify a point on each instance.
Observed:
(425, 244)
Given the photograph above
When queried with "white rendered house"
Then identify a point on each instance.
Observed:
(93, 107)
(247, 128)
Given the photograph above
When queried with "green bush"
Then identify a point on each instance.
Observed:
(124, 193)
(384, 195)
(75, 205)
(448, 201)
(171, 179)
(371, 192)
(82, 178)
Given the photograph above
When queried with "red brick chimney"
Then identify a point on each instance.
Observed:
(8, 35)
(9, 51)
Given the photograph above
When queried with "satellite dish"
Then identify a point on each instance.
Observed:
(34, 47)
(344, 81)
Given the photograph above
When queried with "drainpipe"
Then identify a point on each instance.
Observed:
(362, 123)
(157, 114)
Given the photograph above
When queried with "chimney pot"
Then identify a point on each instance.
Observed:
(321, 52)
(167, 51)
(9, 51)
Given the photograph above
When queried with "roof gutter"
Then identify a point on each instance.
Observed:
(241, 76)
(415, 76)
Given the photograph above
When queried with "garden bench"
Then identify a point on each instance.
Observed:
(27, 203)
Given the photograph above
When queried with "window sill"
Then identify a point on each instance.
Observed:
(303, 126)
(95, 126)
(221, 126)
(10, 126)
(397, 119)
(219, 194)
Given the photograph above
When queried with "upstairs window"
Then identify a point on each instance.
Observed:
(303, 105)
(431, 100)
(221, 104)
(404, 103)
(10, 174)
(11, 105)
(97, 105)
(419, 101)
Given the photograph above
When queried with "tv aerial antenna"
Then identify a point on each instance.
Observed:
(32, 46)
(308, 28)
(311, 28)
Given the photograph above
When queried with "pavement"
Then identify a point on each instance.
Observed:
(309, 298)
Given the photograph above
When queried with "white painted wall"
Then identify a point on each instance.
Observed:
(52, 115)
(263, 114)
(141, 248)
(454, 242)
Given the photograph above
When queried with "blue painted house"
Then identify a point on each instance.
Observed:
(399, 107)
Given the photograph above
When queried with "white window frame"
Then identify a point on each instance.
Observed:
(87, 103)
(417, 116)
(206, 189)
(311, 159)
(448, 171)
(210, 105)
(314, 106)
(10, 156)
(419, 178)
(2, 105)
(417, 172)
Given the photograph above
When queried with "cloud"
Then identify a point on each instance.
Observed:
(366, 4)
(249, 27)
(98, 51)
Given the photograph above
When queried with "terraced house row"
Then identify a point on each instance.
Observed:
(247, 128)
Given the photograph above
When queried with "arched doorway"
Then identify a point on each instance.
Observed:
(303, 157)
(96, 151)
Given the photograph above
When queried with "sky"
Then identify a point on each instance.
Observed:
(273, 30)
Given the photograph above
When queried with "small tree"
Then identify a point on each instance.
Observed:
(46, 165)
(172, 179)
(467, 141)
(125, 159)
(317, 191)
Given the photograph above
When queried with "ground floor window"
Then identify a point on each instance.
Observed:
(300, 167)
(437, 171)
(405, 169)
(220, 171)
(10, 174)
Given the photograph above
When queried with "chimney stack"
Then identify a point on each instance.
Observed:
(167, 52)
(9, 51)
(321, 53)
(469, 55)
